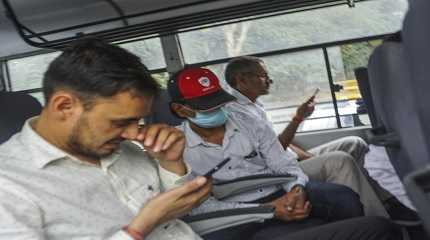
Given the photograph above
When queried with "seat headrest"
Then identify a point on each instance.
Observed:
(15, 108)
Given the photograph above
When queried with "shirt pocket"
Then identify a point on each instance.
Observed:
(252, 163)
(139, 194)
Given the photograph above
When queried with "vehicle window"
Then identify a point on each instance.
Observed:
(304, 28)
(27, 73)
(149, 51)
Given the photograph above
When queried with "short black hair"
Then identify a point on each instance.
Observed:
(240, 65)
(93, 68)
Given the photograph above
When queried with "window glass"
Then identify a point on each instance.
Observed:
(304, 28)
(39, 97)
(295, 77)
(343, 60)
(149, 51)
(27, 73)
(161, 78)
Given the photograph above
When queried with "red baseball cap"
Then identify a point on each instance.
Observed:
(199, 88)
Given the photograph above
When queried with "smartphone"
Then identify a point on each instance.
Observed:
(216, 168)
(316, 92)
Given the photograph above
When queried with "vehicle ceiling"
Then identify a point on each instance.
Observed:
(46, 15)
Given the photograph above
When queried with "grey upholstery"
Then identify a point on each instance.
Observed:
(15, 108)
(389, 81)
(416, 37)
(160, 112)
(211, 222)
(231, 188)
(362, 77)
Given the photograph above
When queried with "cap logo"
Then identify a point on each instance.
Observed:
(204, 81)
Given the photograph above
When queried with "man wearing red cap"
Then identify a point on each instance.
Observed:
(213, 135)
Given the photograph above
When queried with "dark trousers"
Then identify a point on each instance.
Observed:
(330, 202)
(362, 228)
(333, 202)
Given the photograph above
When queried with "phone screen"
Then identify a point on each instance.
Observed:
(216, 168)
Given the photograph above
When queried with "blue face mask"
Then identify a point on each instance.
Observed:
(209, 119)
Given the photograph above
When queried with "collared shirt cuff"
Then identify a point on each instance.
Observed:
(120, 235)
(170, 179)
(299, 181)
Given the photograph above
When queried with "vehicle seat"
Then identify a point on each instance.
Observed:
(15, 108)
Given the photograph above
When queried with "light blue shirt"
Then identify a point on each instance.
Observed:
(253, 149)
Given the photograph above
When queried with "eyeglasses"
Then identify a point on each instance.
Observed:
(265, 77)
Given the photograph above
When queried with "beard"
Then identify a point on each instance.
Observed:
(77, 144)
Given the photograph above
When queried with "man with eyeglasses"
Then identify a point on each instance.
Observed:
(340, 161)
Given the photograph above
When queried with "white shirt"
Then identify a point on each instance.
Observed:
(253, 148)
(47, 194)
(244, 105)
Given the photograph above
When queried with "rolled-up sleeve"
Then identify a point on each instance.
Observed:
(170, 180)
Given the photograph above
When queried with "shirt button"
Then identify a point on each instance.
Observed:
(260, 190)
(150, 188)
(229, 167)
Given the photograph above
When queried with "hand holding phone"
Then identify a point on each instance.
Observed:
(317, 90)
(216, 168)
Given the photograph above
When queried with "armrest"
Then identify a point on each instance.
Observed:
(380, 137)
(236, 186)
(210, 222)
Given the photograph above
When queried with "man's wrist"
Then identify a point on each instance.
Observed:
(178, 167)
(298, 119)
(136, 235)
(299, 186)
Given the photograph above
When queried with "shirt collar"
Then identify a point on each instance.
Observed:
(193, 139)
(44, 153)
(41, 151)
(244, 100)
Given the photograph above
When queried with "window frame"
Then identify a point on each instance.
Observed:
(322, 46)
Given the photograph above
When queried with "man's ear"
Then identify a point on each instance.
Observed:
(64, 105)
(241, 82)
(181, 110)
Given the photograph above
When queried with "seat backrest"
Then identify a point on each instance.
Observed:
(160, 112)
(15, 108)
(416, 37)
(393, 96)
(362, 77)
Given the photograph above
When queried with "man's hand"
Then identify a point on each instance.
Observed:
(292, 206)
(306, 109)
(171, 205)
(166, 144)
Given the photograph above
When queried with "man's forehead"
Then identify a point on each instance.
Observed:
(126, 102)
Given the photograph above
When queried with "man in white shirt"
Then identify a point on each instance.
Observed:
(340, 161)
(71, 173)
